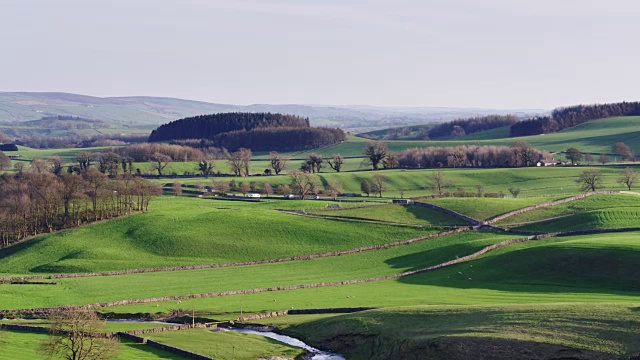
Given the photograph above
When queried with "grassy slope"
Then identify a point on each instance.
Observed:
(19, 345)
(595, 219)
(224, 231)
(607, 328)
(354, 266)
(594, 268)
(484, 208)
(598, 211)
(412, 214)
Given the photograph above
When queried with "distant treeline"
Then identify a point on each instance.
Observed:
(447, 130)
(519, 154)
(566, 117)
(472, 125)
(257, 131)
(79, 141)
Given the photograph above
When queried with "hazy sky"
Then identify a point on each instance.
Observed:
(474, 53)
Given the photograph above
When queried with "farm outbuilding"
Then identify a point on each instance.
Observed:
(402, 201)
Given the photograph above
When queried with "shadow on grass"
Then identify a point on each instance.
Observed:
(434, 217)
(549, 269)
(14, 249)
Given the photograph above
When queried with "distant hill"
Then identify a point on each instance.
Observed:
(136, 111)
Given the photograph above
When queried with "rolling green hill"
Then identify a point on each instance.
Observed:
(187, 231)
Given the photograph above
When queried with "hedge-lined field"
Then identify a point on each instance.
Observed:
(532, 181)
(81, 291)
(592, 203)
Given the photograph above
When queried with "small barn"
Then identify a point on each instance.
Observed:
(402, 201)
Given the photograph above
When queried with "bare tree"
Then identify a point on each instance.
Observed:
(84, 160)
(623, 150)
(390, 161)
(5, 162)
(159, 162)
(628, 177)
(314, 161)
(56, 164)
(245, 155)
(239, 162)
(440, 182)
(220, 186)
(525, 154)
(176, 187)
(365, 186)
(378, 184)
(19, 167)
(588, 157)
(278, 162)
(244, 188)
(303, 183)
(335, 162)
(283, 190)
(603, 158)
(333, 188)
(589, 180)
(78, 335)
(267, 189)
(375, 151)
(39, 166)
(200, 186)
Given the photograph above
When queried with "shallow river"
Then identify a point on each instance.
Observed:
(318, 354)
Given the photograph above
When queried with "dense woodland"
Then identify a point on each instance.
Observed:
(257, 131)
(40, 201)
(566, 117)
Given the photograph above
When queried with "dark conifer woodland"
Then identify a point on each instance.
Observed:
(256, 131)
(566, 117)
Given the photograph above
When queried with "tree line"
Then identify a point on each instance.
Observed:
(446, 130)
(517, 155)
(566, 117)
(472, 125)
(39, 200)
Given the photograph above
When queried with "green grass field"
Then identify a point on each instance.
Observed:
(225, 231)
(595, 219)
(485, 208)
(20, 345)
(80, 291)
(598, 211)
(411, 215)
(532, 182)
(438, 331)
